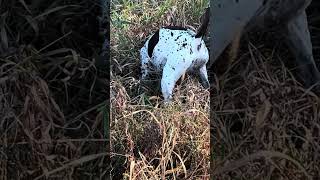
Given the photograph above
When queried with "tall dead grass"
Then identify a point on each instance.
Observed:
(52, 90)
(264, 124)
(148, 140)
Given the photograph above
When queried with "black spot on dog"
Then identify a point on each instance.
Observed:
(191, 51)
(153, 42)
(175, 28)
(199, 46)
(184, 44)
(177, 38)
(171, 33)
(173, 68)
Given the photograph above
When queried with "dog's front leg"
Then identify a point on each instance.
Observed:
(299, 41)
(172, 71)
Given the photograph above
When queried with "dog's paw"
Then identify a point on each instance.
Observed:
(167, 103)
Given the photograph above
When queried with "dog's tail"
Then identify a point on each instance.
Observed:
(204, 24)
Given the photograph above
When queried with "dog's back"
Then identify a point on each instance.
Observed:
(173, 41)
(174, 51)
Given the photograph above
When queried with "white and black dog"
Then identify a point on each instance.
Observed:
(175, 51)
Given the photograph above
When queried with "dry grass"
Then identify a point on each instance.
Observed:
(264, 124)
(53, 113)
(149, 141)
(52, 90)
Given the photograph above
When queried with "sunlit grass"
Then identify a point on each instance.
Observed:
(150, 141)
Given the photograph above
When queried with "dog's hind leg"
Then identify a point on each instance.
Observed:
(228, 17)
(145, 60)
(204, 77)
(299, 41)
